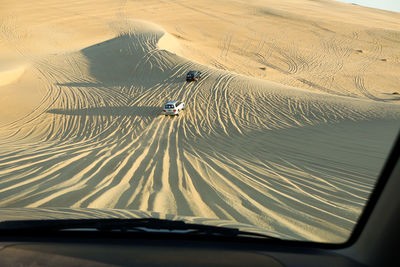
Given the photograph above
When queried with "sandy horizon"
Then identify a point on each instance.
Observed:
(287, 130)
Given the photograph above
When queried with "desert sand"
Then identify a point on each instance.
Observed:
(287, 130)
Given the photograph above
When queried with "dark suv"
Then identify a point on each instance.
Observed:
(193, 75)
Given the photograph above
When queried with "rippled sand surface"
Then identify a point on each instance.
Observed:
(287, 130)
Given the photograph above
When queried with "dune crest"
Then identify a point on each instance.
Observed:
(170, 43)
(11, 75)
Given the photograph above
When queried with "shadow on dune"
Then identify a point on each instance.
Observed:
(111, 111)
(131, 59)
(82, 84)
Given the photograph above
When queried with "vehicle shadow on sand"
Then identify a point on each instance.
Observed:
(110, 111)
(82, 84)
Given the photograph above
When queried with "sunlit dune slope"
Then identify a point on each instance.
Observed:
(291, 160)
(326, 46)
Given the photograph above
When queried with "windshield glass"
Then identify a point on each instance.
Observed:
(286, 130)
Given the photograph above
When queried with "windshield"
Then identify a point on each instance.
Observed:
(286, 131)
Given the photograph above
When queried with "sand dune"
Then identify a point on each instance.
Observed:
(9, 76)
(290, 139)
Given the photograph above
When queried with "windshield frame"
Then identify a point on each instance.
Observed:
(392, 159)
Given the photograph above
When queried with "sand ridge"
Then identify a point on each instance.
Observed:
(248, 148)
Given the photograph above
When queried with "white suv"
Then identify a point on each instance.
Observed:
(173, 108)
